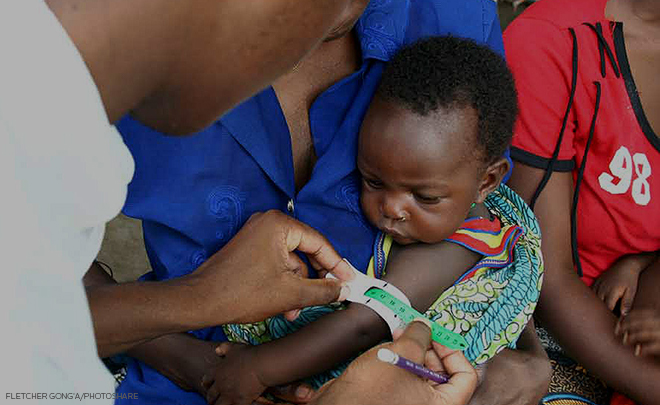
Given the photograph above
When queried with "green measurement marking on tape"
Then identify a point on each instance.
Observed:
(406, 313)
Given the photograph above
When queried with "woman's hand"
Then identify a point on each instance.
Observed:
(369, 381)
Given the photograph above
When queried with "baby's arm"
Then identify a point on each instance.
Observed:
(420, 271)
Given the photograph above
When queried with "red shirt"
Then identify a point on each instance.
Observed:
(616, 214)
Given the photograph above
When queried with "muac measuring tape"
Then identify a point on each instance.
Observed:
(407, 314)
(394, 307)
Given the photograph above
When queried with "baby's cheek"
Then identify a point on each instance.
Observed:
(369, 207)
(440, 228)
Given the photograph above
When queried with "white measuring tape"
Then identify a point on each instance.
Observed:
(394, 307)
(363, 283)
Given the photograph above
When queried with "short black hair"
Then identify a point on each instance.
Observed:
(448, 72)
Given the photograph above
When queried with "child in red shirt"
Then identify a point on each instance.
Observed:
(586, 152)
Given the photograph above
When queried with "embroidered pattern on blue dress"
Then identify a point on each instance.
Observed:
(349, 195)
(226, 204)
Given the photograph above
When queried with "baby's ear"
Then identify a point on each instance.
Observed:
(492, 178)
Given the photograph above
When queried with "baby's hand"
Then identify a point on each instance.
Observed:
(235, 380)
(641, 330)
(619, 283)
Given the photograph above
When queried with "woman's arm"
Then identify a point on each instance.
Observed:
(570, 311)
(215, 294)
(180, 357)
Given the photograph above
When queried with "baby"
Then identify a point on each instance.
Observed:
(431, 157)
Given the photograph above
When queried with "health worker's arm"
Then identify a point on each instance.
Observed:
(125, 315)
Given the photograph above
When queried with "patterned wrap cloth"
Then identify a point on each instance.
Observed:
(571, 383)
(489, 304)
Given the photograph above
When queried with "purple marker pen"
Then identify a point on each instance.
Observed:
(389, 356)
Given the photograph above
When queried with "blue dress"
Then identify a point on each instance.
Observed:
(194, 193)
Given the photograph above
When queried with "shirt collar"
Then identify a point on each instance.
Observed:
(381, 29)
(381, 32)
(259, 126)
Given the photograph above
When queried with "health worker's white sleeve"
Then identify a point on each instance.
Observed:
(63, 173)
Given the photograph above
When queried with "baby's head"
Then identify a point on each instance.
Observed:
(433, 139)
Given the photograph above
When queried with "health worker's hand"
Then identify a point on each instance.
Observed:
(369, 381)
(259, 274)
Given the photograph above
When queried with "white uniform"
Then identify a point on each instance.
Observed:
(63, 174)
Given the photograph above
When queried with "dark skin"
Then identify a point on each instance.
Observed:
(640, 329)
(416, 185)
(414, 344)
(296, 96)
(185, 360)
(195, 301)
(571, 311)
(182, 358)
(166, 72)
(246, 371)
(432, 172)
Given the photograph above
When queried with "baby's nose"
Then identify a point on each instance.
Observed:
(394, 209)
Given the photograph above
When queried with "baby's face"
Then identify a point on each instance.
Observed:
(420, 174)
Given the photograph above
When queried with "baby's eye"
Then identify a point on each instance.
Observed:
(372, 183)
(427, 199)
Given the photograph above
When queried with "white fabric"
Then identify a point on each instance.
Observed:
(63, 174)
(362, 283)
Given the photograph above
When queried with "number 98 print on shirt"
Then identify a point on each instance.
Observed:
(581, 113)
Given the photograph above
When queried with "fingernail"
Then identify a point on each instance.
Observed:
(638, 349)
(396, 334)
(353, 269)
(303, 392)
(221, 349)
(345, 292)
(425, 321)
(625, 337)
